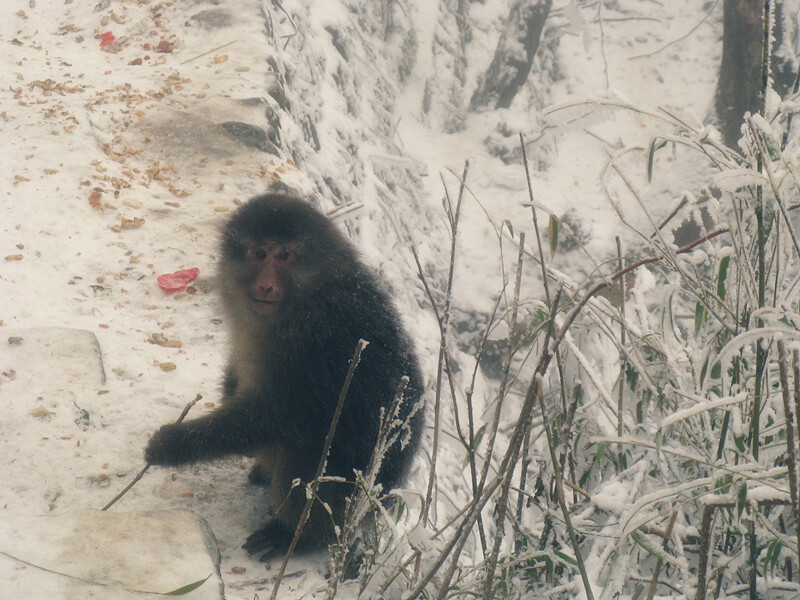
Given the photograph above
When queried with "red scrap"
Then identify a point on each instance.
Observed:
(174, 282)
(106, 39)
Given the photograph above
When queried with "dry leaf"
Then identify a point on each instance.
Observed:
(161, 340)
(94, 199)
(42, 412)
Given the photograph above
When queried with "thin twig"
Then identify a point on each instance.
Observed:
(366, 481)
(670, 216)
(791, 431)
(651, 592)
(683, 37)
(323, 461)
(602, 41)
(558, 474)
(471, 449)
(623, 360)
(796, 407)
(209, 52)
(510, 348)
(762, 151)
(546, 285)
(521, 429)
(566, 438)
(445, 322)
(467, 442)
(456, 544)
(761, 242)
(141, 473)
(535, 220)
(503, 502)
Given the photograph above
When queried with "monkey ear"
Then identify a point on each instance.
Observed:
(232, 241)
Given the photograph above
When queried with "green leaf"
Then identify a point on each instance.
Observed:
(478, 437)
(703, 372)
(508, 224)
(181, 591)
(648, 544)
(632, 376)
(401, 508)
(772, 555)
(722, 277)
(655, 145)
(771, 145)
(723, 484)
(716, 370)
(553, 227)
(565, 557)
(741, 498)
(699, 316)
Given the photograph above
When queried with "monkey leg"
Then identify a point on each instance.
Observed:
(288, 504)
(267, 460)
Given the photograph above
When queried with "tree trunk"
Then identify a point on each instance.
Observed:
(514, 55)
(740, 73)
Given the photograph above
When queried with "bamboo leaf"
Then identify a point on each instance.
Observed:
(553, 227)
(182, 591)
(741, 498)
(699, 316)
(722, 277)
(655, 145)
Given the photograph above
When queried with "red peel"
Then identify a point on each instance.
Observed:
(106, 39)
(173, 282)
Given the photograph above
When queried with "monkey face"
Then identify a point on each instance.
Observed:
(269, 266)
(280, 258)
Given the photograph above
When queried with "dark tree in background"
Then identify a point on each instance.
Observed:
(514, 55)
(740, 72)
(784, 61)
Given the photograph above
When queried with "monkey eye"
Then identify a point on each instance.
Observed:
(283, 254)
(257, 252)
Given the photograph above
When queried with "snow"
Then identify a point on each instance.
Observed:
(93, 142)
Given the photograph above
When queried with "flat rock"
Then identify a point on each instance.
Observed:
(109, 555)
(53, 357)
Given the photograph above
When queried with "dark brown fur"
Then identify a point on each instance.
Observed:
(295, 320)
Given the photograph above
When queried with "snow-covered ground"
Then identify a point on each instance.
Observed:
(115, 169)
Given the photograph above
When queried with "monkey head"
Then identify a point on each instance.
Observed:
(278, 252)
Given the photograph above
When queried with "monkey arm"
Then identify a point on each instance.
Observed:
(228, 430)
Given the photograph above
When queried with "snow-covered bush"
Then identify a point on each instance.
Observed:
(642, 439)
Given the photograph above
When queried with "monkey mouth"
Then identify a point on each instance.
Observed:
(265, 307)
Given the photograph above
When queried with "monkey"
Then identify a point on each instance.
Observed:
(297, 299)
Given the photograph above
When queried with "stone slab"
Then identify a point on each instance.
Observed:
(109, 555)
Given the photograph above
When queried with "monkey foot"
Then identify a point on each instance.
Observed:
(272, 539)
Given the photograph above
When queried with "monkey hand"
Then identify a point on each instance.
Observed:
(170, 446)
